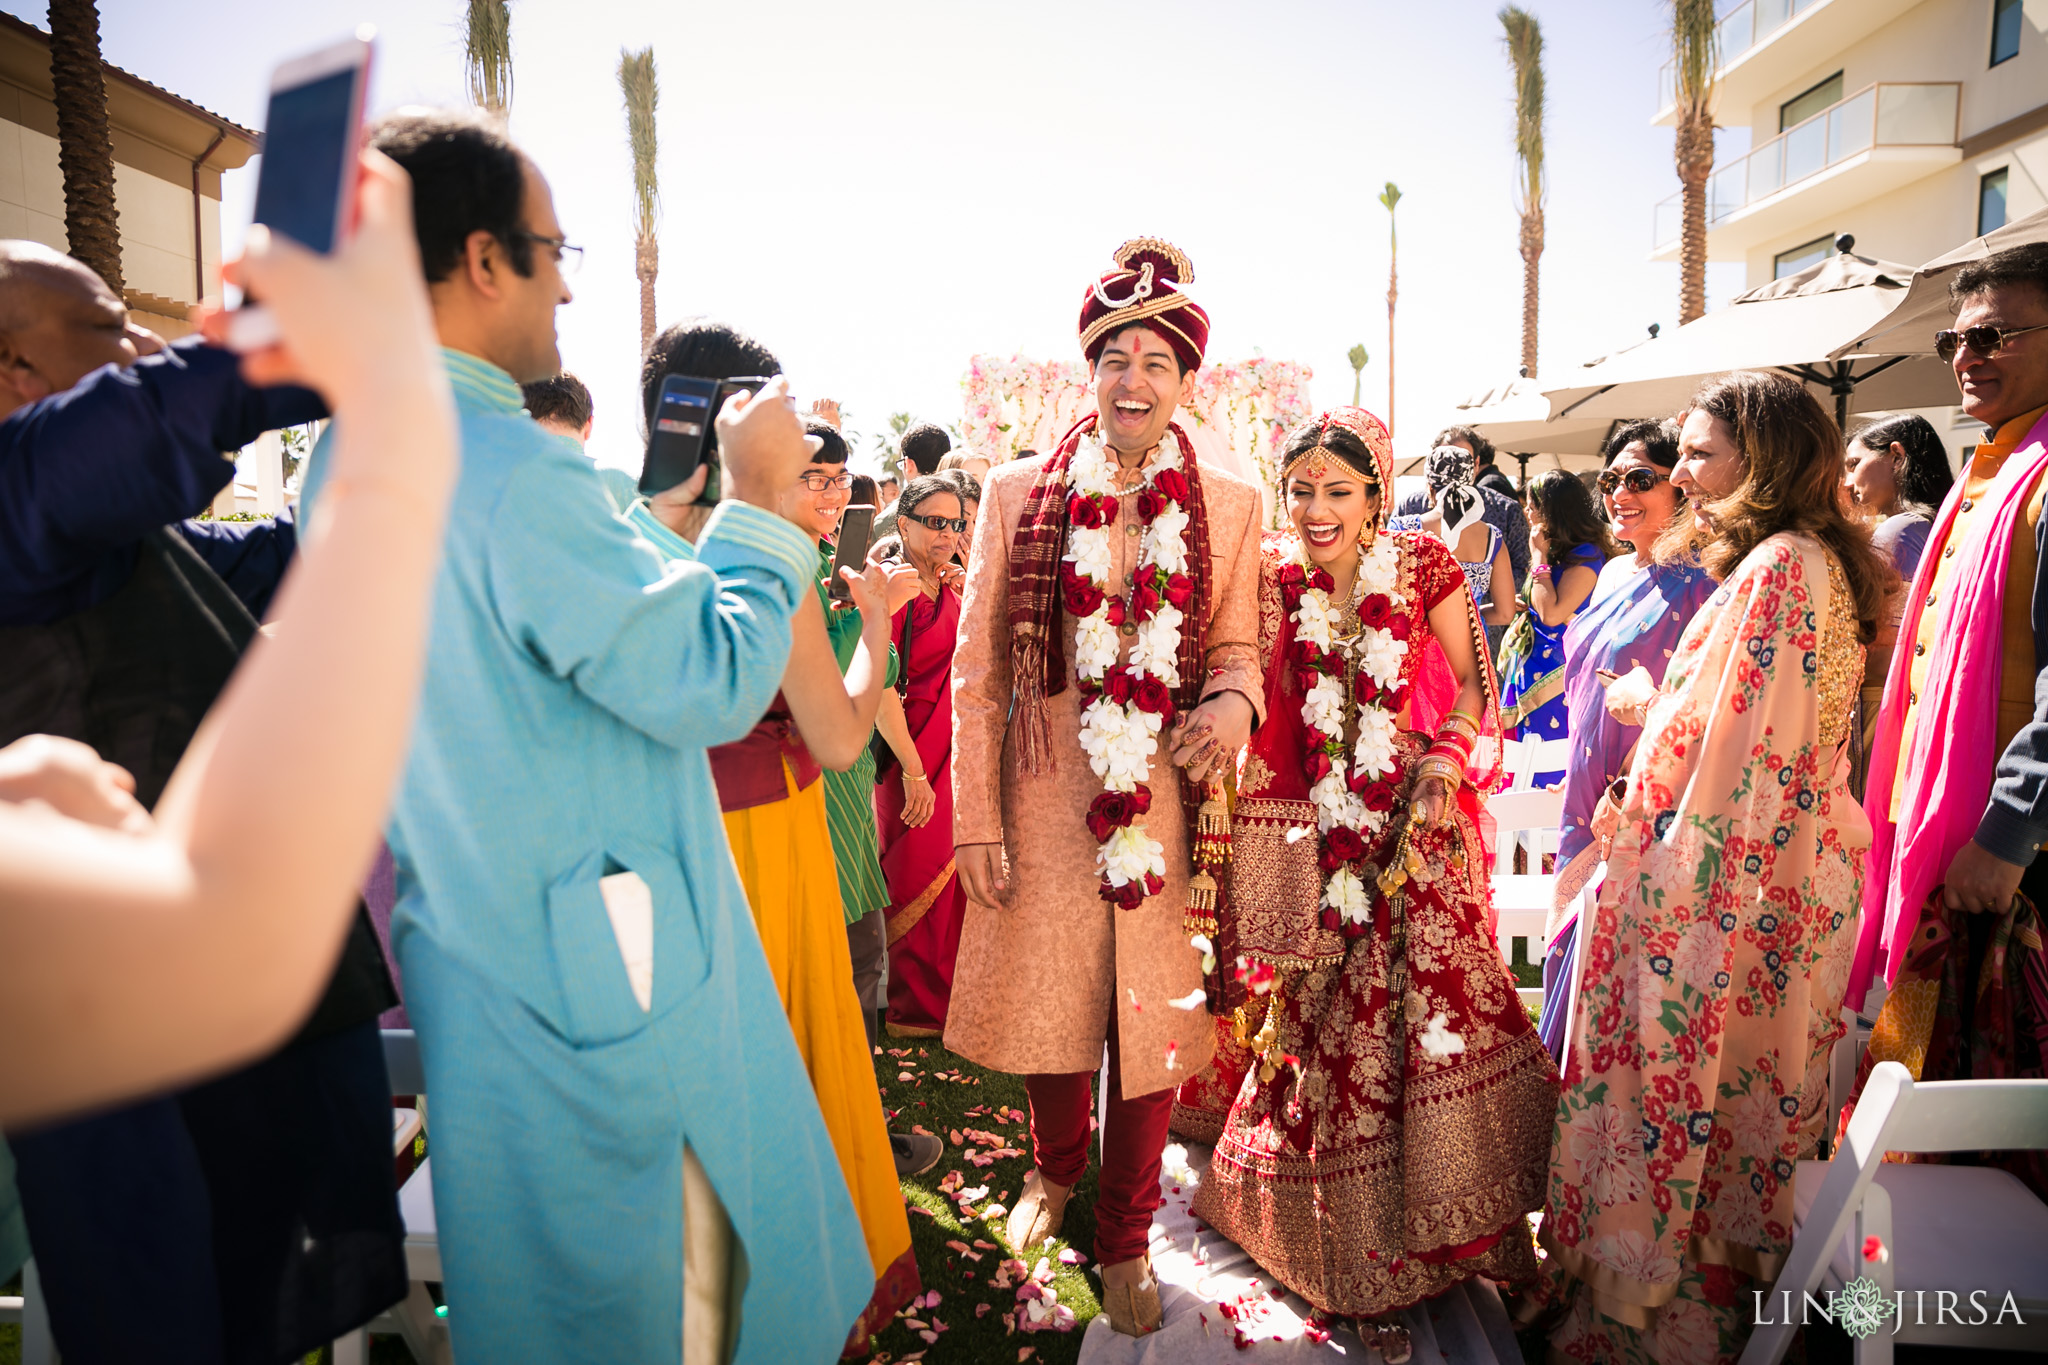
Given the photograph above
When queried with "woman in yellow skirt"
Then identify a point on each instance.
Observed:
(770, 790)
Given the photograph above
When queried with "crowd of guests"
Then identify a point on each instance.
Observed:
(683, 819)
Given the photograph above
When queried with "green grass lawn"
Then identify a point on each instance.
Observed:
(931, 1088)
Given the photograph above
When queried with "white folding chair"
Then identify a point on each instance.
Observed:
(38, 1346)
(414, 1320)
(1521, 901)
(1948, 1230)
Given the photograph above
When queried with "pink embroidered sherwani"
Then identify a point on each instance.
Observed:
(1035, 980)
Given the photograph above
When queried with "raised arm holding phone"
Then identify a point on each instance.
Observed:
(143, 952)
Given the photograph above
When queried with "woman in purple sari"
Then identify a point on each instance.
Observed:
(1635, 617)
(914, 794)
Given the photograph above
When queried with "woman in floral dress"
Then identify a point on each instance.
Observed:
(1696, 1073)
(1380, 1103)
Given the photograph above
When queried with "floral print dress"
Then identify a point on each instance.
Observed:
(1715, 962)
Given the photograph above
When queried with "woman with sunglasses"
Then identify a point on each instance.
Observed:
(914, 794)
(1716, 957)
(1634, 622)
(1572, 539)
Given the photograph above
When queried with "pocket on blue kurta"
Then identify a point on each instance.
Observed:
(598, 1005)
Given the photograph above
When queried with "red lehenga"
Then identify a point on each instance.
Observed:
(1368, 1167)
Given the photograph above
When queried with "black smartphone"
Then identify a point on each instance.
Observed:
(856, 529)
(682, 436)
(312, 135)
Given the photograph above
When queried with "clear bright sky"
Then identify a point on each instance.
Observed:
(880, 190)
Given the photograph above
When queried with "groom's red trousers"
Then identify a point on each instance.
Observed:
(1134, 1135)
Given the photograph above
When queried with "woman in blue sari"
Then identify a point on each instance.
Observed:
(1636, 620)
(1570, 537)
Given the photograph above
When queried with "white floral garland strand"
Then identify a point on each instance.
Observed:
(1120, 738)
(1379, 655)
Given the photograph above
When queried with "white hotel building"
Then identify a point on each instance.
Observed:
(1913, 125)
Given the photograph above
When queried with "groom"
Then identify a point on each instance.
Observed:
(1106, 644)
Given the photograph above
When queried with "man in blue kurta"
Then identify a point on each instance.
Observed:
(573, 683)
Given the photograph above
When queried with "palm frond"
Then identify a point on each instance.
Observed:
(1390, 196)
(642, 92)
(1525, 52)
(487, 54)
(1357, 356)
(1695, 50)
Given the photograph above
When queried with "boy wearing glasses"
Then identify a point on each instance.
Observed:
(1958, 786)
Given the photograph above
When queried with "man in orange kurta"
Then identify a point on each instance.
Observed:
(1055, 960)
(1956, 962)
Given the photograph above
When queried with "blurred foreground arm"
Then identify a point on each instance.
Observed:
(131, 961)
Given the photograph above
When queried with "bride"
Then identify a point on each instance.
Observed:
(1380, 1104)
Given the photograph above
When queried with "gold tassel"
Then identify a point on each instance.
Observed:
(1209, 855)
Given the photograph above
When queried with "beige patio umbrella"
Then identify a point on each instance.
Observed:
(1909, 328)
(1516, 418)
(1802, 324)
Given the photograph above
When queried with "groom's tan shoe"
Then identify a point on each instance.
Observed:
(1130, 1295)
(1039, 1211)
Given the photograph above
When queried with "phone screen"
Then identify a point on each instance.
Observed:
(680, 435)
(307, 140)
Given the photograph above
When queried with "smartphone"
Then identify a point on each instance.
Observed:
(312, 136)
(679, 436)
(856, 529)
(682, 435)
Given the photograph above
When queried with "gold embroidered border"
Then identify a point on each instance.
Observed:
(906, 919)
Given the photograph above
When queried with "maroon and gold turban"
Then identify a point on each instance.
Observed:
(1146, 287)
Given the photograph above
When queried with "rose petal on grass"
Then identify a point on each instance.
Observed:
(904, 1076)
(981, 1310)
(1071, 1257)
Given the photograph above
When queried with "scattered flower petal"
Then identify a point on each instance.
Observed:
(1193, 1000)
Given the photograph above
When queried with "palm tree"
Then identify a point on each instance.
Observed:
(1695, 44)
(1389, 197)
(886, 447)
(1357, 356)
(487, 55)
(642, 92)
(1525, 52)
(85, 147)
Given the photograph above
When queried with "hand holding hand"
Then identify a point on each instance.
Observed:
(71, 779)
(981, 873)
(1629, 694)
(1206, 741)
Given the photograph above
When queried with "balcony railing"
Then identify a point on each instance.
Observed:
(1885, 114)
(1748, 25)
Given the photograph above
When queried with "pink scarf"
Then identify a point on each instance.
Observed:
(1950, 768)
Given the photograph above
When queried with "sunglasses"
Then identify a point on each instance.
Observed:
(957, 525)
(819, 483)
(1638, 480)
(1985, 341)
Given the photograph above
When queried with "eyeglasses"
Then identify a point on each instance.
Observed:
(957, 525)
(819, 483)
(1637, 480)
(567, 257)
(1985, 341)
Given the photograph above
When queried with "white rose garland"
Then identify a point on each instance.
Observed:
(1364, 671)
(1130, 704)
